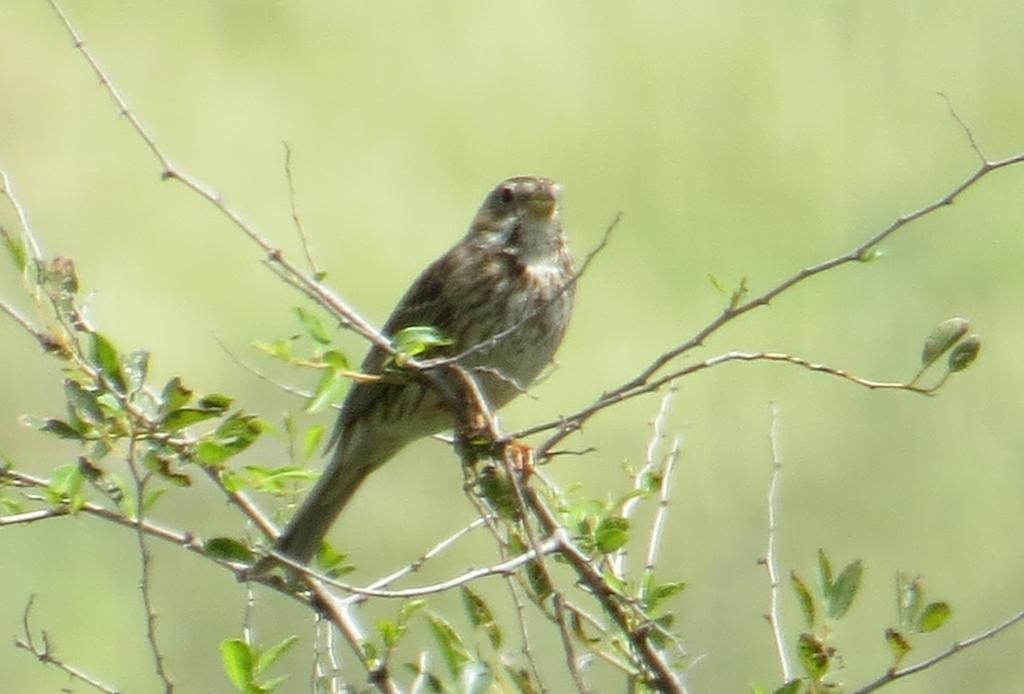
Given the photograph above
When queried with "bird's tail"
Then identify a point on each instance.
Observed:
(301, 539)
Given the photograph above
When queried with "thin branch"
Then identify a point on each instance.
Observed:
(304, 394)
(662, 677)
(44, 652)
(305, 282)
(145, 569)
(893, 674)
(557, 599)
(661, 517)
(526, 647)
(44, 340)
(361, 594)
(641, 477)
(8, 191)
(645, 381)
(963, 126)
(295, 212)
(504, 568)
(770, 561)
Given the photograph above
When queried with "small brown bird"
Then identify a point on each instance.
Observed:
(511, 273)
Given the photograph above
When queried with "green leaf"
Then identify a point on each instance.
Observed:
(844, 590)
(16, 249)
(238, 662)
(234, 435)
(870, 254)
(417, 339)
(898, 644)
(104, 355)
(934, 615)
(66, 485)
(942, 337)
(804, 597)
(276, 480)
(964, 354)
(83, 404)
(611, 534)
(148, 501)
(162, 464)
(410, 608)
(329, 391)
(229, 549)
(495, 486)
(814, 656)
(311, 440)
(185, 417)
(136, 368)
(577, 629)
(209, 407)
(909, 596)
(273, 654)
(824, 572)
(333, 357)
(174, 396)
(480, 616)
(313, 325)
(281, 349)
(791, 687)
(452, 648)
(57, 427)
(662, 592)
(214, 402)
(332, 562)
(390, 632)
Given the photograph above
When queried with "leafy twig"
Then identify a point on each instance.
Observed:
(894, 674)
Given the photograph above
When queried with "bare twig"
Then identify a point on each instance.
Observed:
(641, 476)
(146, 574)
(7, 191)
(44, 652)
(770, 560)
(305, 282)
(304, 394)
(661, 517)
(361, 594)
(295, 212)
(963, 126)
(894, 674)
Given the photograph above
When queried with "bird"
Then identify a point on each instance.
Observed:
(502, 296)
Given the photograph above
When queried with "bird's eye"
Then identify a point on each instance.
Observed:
(508, 194)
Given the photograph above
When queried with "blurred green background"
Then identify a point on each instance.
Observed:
(738, 139)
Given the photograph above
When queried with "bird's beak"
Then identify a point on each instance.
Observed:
(544, 199)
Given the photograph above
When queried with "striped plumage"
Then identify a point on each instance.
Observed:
(510, 269)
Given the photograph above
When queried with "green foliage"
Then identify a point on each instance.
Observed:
(914, 616)
(830, 603)
(244, 664)
(417, 340)
(942, 337)
(948, 336)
